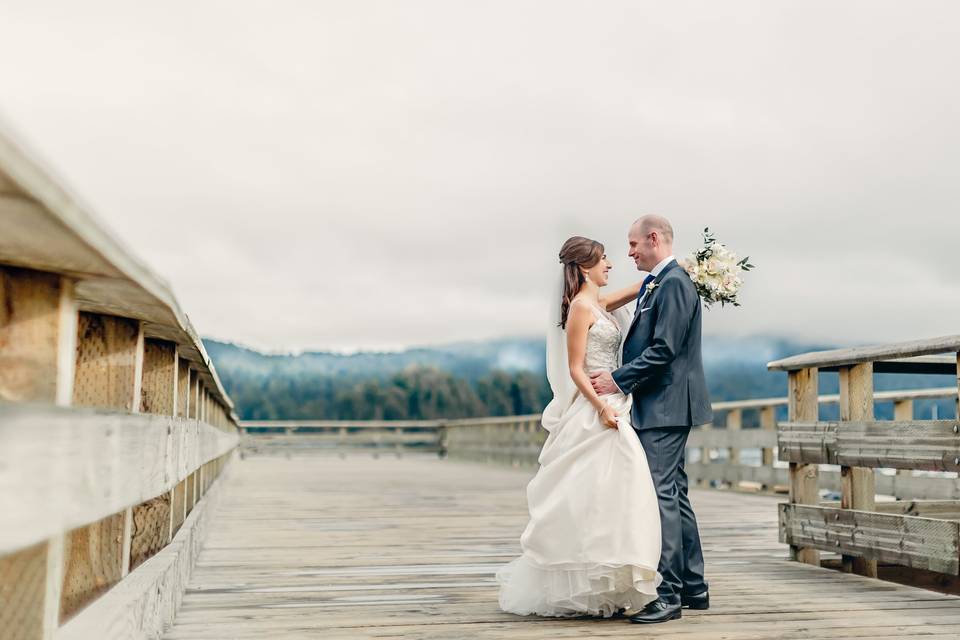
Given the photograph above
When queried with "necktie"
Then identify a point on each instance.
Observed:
(643, 290)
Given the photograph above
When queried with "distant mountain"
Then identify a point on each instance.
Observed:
(468, 360)
(493, 377)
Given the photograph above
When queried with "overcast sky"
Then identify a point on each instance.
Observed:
(377, 174)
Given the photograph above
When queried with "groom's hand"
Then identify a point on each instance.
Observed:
(603, 383)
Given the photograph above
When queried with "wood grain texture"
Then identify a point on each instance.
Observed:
(123, 460)
(22, 592)
(183, 388)
(911, 541)
(928, 445)
(858, 489)
(159, 388)
(106, 366)
(144, 603)
(857, 355)
(802, 389)
(29, 335)
(92, 563)
(151, 529)
(360, 548)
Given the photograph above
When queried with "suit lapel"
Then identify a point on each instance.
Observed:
(649, 297)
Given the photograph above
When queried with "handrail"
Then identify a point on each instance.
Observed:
(114, 426)
(860, 444)
(108, 278)
(916, 350)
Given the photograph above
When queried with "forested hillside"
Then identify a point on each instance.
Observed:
(500, 377)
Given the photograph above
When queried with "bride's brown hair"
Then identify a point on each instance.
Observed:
(575, 253)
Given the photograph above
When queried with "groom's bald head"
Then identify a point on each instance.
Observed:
(654, 223)
(651, 240)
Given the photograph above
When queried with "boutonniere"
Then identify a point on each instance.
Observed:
(651, 287)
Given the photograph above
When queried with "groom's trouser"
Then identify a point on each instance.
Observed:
(681, 558)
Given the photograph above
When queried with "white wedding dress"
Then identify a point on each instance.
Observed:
(593, 541)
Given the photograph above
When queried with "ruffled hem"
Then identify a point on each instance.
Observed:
(570, 590)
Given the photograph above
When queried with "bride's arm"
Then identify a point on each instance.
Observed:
(579, 321)
(616, 299)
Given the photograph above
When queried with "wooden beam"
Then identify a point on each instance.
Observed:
(859, 355)
(109, 354)
(734, 422)
(123, 460)
(802, 388)
(858, 486)
(768, 422)
(910, 541)
(183, 387)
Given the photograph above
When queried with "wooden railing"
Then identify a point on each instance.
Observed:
(726, 455)
(113, 424)
(913, 534)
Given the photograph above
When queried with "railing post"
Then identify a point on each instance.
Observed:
(734, 422)
(38, 337)
(803, 388)
(768, 422)
(705, 455)
(858, 484)
(903, 412)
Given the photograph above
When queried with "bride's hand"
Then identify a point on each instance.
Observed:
(608, 416)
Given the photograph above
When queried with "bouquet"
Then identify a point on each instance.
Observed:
(716, 271)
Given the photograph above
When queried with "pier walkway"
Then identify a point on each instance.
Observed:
(357, 547)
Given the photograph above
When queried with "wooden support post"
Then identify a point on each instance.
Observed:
(38, 336)
(183, 387)
(734, 423)
(768, 422)
(903, 412)
(803, 390)
(858, 484)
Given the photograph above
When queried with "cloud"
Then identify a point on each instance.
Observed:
(346, 174)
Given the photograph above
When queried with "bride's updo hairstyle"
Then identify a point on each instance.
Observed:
(575, 253)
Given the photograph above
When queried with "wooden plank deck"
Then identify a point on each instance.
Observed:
(323, 547)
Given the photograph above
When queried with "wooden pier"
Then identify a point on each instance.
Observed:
(133, 505)
(357, 547)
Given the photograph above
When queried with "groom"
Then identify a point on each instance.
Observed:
(663, 370)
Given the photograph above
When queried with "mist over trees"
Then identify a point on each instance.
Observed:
(492, 378)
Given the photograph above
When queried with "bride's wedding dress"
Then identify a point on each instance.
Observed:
(593, 541)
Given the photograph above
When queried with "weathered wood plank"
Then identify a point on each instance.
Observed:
(407, 548)
(802, 386)
(929, 445)
(22, 592)
(144, 603)
(911, 541)
(160, 370)
(858, 490)
(92, 563)
(108, 349)
(31, 319)
(857, 355)
(123, 460)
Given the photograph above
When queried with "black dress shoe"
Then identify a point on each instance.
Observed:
(657, 611)
(699, 601)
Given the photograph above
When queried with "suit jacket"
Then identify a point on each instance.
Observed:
(663, 365)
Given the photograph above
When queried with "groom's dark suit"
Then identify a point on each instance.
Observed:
(663, 369)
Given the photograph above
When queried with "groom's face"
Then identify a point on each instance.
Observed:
(643, 248)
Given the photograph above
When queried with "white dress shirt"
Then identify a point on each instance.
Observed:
(655, 272)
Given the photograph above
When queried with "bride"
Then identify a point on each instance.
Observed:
(593, 541)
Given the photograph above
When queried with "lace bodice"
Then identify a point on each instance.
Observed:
(603, 344)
